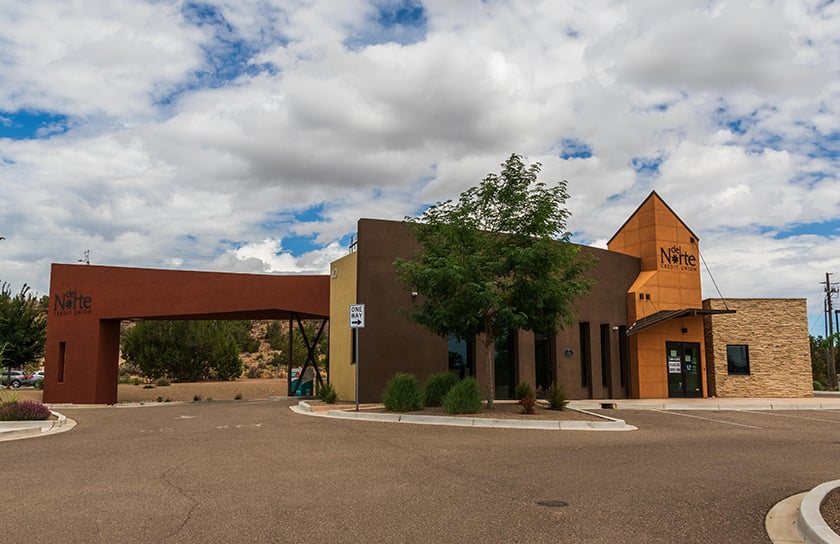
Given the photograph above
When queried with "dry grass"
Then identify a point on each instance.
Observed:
(248, 389)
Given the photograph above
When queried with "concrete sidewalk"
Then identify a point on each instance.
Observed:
(822, 400)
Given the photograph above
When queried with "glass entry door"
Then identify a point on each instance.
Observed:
(684, 379)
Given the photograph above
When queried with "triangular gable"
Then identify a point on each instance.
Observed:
(643, 205)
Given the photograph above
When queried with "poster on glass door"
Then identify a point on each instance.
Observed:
(674, 365)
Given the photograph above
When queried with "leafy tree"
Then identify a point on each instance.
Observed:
(278, 338)
(499, 259)
(23, 326)
(184, 350)
(819, 359)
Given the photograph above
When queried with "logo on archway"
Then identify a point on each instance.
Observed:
(72, 302)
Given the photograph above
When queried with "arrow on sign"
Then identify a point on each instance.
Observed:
(356, 322)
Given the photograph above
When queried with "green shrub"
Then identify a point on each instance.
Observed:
(238, 396)
(557, 397)
(163, 382)
(818, 386)
(197, 398)
(463, 398)
(39, 383)
(402, 394)
(523, 390)
(437, 386)
(327, 393)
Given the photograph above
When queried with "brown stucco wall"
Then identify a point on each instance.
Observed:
(88, 302)
(613, 273)
(776, 331)
(391, 342)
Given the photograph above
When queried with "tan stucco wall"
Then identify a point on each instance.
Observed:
(652, 367)
(669, 280)
(343, 274)
(776, 331)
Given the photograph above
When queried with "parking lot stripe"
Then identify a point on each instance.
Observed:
(707, 419)
(794, 417)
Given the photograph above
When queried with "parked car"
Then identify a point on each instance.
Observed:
(37, 375)
(14, 377)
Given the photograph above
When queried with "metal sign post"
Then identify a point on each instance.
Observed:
(357, 321)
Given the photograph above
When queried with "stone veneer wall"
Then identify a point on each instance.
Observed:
(776, 331)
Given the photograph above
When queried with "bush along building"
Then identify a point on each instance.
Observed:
(643, 331)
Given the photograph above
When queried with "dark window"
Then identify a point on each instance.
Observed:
(623, 353)
(605, 354)
(504, 364)
(460, 357)
(354, 342)
(62, 353)
(542, 361)
(738, 359)
(585, 356)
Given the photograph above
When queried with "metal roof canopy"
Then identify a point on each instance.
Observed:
(666, 315)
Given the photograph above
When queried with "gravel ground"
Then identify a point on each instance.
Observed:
(508, 410)
(254, 389)
(830, 510)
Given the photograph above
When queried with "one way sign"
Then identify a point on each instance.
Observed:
(357, 316)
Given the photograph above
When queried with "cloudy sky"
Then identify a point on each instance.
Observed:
(250, 135)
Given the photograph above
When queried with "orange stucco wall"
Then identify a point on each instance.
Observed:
(669, 280)
(87, 304)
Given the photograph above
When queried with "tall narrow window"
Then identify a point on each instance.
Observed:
(623, 354)
(62, 350)
(542, 361)
(585, 355)
(605, 354)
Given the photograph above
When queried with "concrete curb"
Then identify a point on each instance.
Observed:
(14, 430)
(797, 519)
(809, 522)
(610, 423)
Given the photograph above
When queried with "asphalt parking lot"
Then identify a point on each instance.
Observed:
(256, 472)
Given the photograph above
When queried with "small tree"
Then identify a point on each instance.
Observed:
(499, 259)
(184, 350)
(23, 326)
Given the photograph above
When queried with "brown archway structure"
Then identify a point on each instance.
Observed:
(87, 303)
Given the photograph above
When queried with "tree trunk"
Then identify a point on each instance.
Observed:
(489, 364)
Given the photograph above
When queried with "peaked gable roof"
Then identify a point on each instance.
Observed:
(642, 205)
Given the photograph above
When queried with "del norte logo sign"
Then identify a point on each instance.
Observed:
(72, 302)
(676, 258)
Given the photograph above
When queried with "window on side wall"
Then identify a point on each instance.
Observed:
(738, 358)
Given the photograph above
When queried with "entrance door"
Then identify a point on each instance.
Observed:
(684, 378)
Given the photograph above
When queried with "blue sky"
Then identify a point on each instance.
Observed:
(251, 136)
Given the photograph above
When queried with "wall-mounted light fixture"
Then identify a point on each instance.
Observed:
(334, 274)
(414, 294)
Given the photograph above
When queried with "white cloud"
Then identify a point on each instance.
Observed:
(728, 109)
